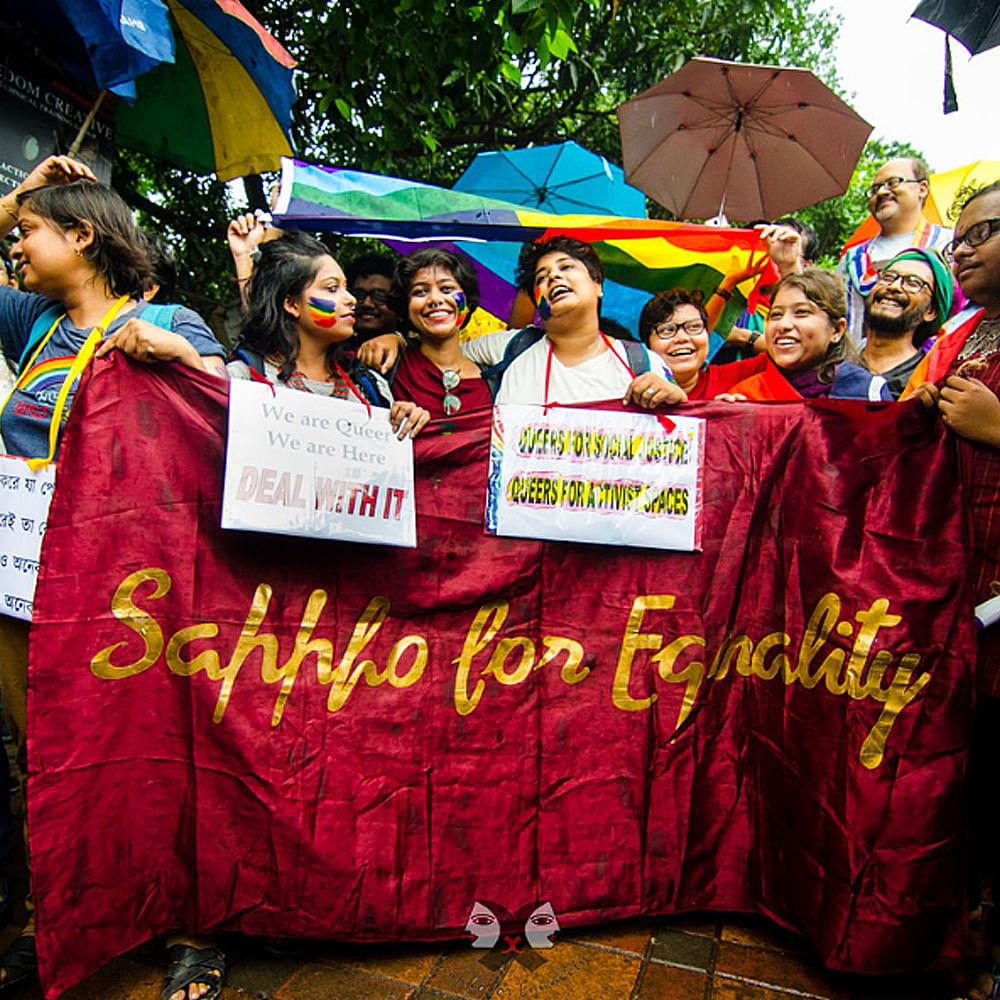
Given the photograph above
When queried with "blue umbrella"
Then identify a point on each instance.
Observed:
(104, 43)
(564, 179)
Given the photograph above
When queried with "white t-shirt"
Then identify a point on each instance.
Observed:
(605, 376)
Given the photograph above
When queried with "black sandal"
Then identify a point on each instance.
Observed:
(20, 963)
(187, 964)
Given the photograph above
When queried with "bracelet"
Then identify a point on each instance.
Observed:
(753, 338)
(402, 337)
(3, 205)
(723, 294)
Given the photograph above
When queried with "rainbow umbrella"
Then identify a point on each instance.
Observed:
(641, 256)
(224, 106)
(205, 87)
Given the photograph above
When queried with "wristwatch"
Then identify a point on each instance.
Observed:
(753, 338)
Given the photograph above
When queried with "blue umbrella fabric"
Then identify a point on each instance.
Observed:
(564, 179)
(103, 43)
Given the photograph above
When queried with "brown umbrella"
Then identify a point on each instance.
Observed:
(750, 142)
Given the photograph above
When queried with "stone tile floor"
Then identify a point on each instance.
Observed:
(704, 958)
(701, 957)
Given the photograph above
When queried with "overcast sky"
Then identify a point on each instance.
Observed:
(895, 67)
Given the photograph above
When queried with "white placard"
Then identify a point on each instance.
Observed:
(24, 512)
(593, 476)
(303, 464)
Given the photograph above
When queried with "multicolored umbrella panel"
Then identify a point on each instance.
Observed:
(641, 256)
(224, 106)
(209, 90)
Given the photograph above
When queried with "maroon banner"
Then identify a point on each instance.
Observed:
(322, 740)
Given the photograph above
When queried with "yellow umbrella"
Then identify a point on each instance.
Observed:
(950, 188)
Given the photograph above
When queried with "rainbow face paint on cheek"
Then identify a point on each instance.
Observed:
(462, 306)
(323, 312)
(542, 304)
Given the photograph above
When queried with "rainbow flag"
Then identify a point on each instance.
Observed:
(641, 256)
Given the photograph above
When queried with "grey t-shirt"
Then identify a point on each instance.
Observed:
(24, 422)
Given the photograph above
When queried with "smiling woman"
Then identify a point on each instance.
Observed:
(437, 291)
(808, 353)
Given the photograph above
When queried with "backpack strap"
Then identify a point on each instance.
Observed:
(516, 346)
(638, 356)
(254, 360)
(161, 316)
(39, 328)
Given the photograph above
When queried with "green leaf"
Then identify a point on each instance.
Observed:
(455, 74)
(522, 6)
(562, 44)
(343, 108)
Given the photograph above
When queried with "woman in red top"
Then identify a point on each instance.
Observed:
(674, 325)
(437, 291)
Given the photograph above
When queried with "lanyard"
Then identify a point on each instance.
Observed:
(79, 363)
(352, 386)
(548, 370)
(665, 422)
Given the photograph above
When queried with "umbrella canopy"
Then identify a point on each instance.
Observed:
(564, 179)
(975, 23)
(213, 90)
(747, 141)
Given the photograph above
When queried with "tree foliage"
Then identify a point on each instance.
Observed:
(416, 88)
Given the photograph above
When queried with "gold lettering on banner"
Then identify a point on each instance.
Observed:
(136, 619)
(632, 642)
(835, 651)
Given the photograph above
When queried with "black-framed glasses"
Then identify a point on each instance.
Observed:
(892, 183)
(378, 295)
(976, 235)
(667, 331)
(450, 379)
(909, 282)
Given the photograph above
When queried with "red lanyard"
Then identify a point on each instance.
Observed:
(665, 422)
(548, 371)
(352, 386)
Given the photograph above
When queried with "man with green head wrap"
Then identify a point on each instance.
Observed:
(909, 302)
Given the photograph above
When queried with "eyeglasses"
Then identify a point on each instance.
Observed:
(892, 183)
(976, 235)
(449, 380)
(909, 282)
(378, 295)
(667, 331)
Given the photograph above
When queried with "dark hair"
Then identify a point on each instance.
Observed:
(369, 263)
(810, 241)
(534, 250)
(164, 265)
(991, 188)
(661, 307)
(285, 267)
(118, 250)
(828, 292)
(458, 265)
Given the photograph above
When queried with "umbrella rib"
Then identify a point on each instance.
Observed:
(527, 179)
(552, 166)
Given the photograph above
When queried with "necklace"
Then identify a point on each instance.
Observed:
(985, 339)
(450, 378)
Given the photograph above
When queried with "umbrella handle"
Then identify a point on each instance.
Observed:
(87, 122)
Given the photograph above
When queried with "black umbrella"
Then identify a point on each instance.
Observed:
(975, 23)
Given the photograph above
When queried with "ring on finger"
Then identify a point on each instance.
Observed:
(650, 391)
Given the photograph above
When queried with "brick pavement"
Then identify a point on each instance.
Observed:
(707, 958)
